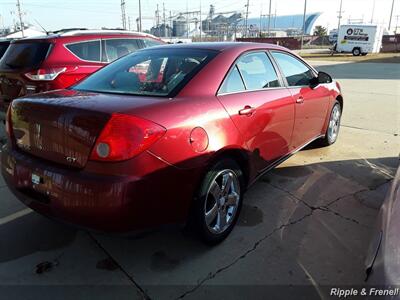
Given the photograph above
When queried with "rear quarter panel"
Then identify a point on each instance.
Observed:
(180, 116)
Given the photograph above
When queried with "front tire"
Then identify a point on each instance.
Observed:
(332, 131)
(219, 201)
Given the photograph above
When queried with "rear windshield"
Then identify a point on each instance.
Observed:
(150, 72)
(3, 48)
(24, 55)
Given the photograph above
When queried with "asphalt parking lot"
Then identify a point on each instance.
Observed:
(304, 226)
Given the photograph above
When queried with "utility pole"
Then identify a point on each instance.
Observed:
(247, 16)
(261, 16)
(140, 17)
(165, 28)
(269, 18)
(391, 14)
(201, 24)
(339, 16)
(372, 15)
(129, 23)
(187, 20)
(20, 18)
(123, 14)
(304, 23)
(157, 18)
(170, 24)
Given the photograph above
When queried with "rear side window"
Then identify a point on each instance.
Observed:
(116, 48)
(86, 50)
(151, 43)
(296, 72)
(233, 82)
(257, 71)
(24, 55)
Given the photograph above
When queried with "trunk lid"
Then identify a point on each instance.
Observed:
(62, 126)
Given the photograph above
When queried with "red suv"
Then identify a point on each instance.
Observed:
(59, 60)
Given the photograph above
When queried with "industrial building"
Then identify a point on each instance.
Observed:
(291, 24)
(228, 25)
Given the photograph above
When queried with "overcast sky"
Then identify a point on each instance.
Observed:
(56, 14)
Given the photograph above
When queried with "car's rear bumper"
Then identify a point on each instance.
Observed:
(106, 202)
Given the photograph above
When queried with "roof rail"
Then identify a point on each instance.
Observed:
(99, 31)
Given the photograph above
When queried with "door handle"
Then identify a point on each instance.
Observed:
(247, 111)
(300, 100)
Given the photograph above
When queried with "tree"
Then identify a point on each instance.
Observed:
(320, 31)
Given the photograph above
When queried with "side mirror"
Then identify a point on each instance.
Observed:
(322, 77)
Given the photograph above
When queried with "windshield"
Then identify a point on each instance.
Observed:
(24, 55)
(157, 72)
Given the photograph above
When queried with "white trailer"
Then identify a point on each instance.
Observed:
(359, 39)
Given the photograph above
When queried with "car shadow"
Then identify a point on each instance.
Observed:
(279, 239)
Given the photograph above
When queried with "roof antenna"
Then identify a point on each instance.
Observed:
(47, 32)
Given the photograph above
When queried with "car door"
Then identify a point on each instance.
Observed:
(260, 106)
(311, 102)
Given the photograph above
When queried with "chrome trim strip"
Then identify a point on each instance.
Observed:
(282, 159)
(257, 90)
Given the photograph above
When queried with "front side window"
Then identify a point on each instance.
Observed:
(116, 48)
(296, 72)
(89, 51)
(257, 71)
(233, 82)
(148, 72)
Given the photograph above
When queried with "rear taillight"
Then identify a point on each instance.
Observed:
(9, 123)
(125, 136)
(45, 74)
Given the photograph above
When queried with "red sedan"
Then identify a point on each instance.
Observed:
(170, 134)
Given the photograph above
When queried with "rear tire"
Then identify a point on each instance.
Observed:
(332, 131)
(219, 201)
(356, 51)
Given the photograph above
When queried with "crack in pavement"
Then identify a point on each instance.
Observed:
(371, 130)
(312, 208)
(130, 278)
(324, 208)
(212, 275)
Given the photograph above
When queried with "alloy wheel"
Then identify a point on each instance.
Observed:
(222, 201)
(334, 124)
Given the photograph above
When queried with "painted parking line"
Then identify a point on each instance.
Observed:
(15, 216)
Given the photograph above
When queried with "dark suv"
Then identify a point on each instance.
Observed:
(60, 60)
